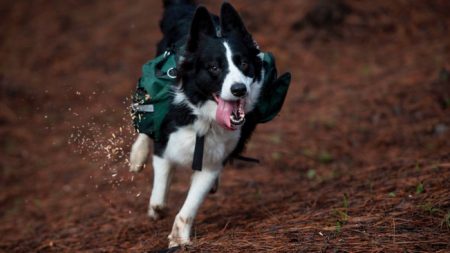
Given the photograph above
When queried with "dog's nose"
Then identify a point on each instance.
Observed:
(238, 89)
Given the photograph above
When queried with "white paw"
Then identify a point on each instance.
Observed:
(175, 242)
(136, 167)
(139, 153)
(180, 232)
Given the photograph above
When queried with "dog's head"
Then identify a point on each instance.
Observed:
(221, 65)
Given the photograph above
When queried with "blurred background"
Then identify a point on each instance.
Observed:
(358, 160)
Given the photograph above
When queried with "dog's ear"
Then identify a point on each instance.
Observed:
(231, 22)
(202, 25)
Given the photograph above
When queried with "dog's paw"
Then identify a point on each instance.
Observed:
(157, 212)
(176, 242)
(180, 232)
(139, 153)
(136, 167)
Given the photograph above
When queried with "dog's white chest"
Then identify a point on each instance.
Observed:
(218, 145)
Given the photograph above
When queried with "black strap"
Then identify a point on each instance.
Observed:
(197, 161)
(246, 159)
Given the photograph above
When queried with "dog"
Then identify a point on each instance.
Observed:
(219, 80)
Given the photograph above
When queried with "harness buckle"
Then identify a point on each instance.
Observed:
(142, 108)
(167, 53)
(172, 73)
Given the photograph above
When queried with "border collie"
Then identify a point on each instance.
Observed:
(219, 78)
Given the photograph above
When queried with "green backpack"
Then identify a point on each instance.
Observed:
(153, 95)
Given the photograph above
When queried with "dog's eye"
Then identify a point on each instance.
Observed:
(244, 65)
(213, 69)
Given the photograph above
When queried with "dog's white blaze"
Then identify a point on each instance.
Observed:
(233, 76)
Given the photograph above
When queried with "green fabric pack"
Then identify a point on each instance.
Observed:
(153, 95)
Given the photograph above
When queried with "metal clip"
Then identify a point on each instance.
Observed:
(142, 108)
(166, 53)
(172, 73)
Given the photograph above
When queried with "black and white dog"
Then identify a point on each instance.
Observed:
(218, 84)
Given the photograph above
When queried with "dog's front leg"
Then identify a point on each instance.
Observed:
(202, 182)
(139, 153)
(162, 175)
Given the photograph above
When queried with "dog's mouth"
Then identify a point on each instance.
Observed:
(230, 114)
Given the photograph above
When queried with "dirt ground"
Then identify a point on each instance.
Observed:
(357, 161)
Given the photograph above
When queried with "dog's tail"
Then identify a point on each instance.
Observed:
(175, 22)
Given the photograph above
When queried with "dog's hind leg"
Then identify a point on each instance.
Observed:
(162, 175)
(139, 153)
(202, 182)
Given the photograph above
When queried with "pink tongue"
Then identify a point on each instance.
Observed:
(223, 113)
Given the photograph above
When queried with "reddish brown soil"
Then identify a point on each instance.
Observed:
(358, 161)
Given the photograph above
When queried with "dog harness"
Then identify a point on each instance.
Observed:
(154, 94)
